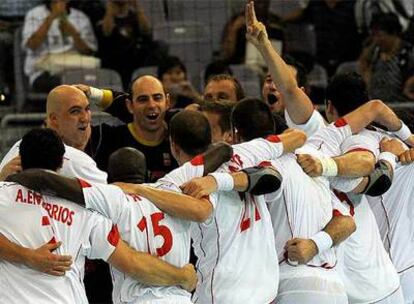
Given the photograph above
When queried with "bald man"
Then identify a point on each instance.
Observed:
(147, 105)
(68, 114)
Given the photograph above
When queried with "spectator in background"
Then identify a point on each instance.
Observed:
(12, 13)
(51, 28)
(124, 39)
(223, 87)
(387, 63)
(173, 75)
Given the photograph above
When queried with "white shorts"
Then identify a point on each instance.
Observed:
(395, 298)
(308, 285)
(407, 285)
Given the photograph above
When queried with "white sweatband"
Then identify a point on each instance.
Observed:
(96, 95)
(389, 157)
(322, 240)
(403, 133)
(329, 167)
(224, 181)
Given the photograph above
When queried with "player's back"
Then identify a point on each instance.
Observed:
(300, 208)
(365, 268)
(147, 229)
(49, 219)
(237, 261)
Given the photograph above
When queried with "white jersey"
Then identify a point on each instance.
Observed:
(147, 229)
(83, 233)
(299, 209)
(393, 210)
(237, 261)
(76, 163)
(366, 270)
(365, 263)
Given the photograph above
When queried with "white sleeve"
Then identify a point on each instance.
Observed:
(314, 123)
(253, 152)
(108, 200)
(360, 143)
(13, 152)
(181, 175)
(103, 238)
(76, 163)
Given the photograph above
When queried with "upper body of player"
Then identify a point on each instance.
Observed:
(83, 234)
(68, 113)
(148, 132)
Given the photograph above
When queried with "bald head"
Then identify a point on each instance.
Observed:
(144, 81)
(69, 115)
(60, 96)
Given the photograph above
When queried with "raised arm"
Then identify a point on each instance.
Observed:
(297, 103)
(373, 111)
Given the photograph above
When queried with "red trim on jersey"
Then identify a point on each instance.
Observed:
(341, 122)
(265, 164)
(273, 138)
(45, 221)
(52, 241)
(336, 212)
(360, 150)
(198, 160)
(83, 183)
(345, 199)
(113, 236)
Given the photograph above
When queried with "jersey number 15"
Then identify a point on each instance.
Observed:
(158, 229)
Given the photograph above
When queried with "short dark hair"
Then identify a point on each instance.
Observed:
(347, 92)
(221, 107)
(215, 68)
(190, 130)
(237, 86)
(41, 148)
(388, 23)
(169, 63)
(252, 118)
(127, 165)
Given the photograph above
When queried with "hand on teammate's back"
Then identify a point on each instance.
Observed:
(191, 282)
(12, 167)
(310, 165)
(300, 250)
(392, 145)
(42, 259)
(200, 187)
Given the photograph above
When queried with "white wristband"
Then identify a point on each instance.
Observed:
(224, 181)
(329, 167)
(96, 95)
(404, 132)
(322, 240)
(389, 157)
